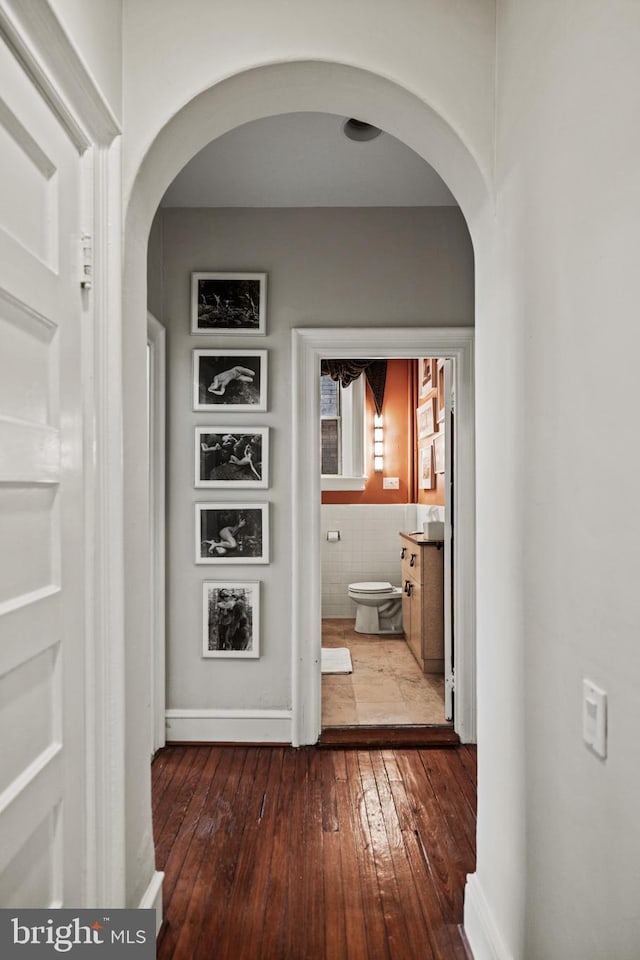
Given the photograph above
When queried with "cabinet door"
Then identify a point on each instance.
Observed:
(413, 626)
(406, 609)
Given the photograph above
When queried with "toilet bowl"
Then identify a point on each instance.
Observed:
(378, 606)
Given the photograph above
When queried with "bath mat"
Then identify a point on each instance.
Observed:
(335, 660)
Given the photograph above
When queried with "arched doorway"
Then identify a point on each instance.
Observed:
(257, 93)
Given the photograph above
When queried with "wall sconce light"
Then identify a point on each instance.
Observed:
(378, 443)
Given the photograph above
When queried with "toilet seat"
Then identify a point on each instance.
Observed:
(372, 587)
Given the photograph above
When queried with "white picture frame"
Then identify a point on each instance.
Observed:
(231, 457)
(425, 418)
(438, 453)
(231, 533)
(234, 380)
(231, 619)
(425, 465)
(232, 304)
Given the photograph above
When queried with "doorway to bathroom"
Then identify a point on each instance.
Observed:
(309, 347)
(387, 488)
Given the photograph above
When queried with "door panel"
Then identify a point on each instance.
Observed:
(42, 615)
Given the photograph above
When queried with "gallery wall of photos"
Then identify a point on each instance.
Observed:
(228, 456)
(430, 431)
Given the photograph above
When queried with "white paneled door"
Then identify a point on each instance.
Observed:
(42, 607)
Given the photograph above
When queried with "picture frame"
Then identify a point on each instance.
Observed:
(440, 373)
(229, 457)
(426, 375)
(426, 478)
(231, 619)
(229, 303)
(235, 380)
(231, 533)
(439, 453)
(425, 418)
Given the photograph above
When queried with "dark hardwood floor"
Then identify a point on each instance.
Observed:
(272, 853)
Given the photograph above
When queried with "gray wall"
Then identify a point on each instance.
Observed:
(338, 267)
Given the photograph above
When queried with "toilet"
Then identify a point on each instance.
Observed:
(378, 607)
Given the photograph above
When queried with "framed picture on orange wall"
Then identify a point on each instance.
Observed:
(438, 453)
(426, 477)
(426, 418)
(426, 375)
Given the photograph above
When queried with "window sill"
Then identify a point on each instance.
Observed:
(342, 483)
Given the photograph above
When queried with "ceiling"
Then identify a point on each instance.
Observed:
(305, 160)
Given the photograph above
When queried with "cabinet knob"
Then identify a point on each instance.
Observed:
(412, 562)
(403, 553)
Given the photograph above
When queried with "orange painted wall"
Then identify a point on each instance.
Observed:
(397, 414)
(401, 397)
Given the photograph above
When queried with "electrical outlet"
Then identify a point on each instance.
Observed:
(391, 483)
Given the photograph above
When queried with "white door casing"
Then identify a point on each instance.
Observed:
(156, 345)
(449, 533)
(309, 346)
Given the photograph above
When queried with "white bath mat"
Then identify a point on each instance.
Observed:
(335, 660)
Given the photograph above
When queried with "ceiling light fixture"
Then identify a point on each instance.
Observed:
(360, 131)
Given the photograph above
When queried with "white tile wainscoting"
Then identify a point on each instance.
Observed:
(368, 548)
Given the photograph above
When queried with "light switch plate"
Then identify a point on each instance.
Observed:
(391, 483)
(594, 717)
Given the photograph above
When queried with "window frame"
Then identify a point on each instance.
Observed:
(352, 440)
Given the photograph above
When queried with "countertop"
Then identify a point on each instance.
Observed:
(420, 540)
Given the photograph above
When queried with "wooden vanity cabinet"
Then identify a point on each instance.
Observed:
(423, 599)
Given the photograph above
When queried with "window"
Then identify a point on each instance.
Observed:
(330, 425)
(342, 426)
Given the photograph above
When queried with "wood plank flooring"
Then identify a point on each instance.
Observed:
(272, 853)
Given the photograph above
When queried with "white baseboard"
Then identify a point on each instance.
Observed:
(229, 726)
(480, 927)
(152, 898)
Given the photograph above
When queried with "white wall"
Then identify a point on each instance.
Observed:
(173, 51)
(325, 267)
(95, 29)
(368, 549)
(568, 208)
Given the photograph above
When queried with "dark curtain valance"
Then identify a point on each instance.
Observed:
(346, 371)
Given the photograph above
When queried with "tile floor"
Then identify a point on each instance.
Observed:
(386, 687)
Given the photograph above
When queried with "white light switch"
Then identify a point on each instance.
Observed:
(391, 483)
(594, 717)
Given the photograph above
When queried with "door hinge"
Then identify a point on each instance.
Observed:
(86, 261)
(450, 681)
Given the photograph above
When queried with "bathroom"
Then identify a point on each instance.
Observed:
(360, 542)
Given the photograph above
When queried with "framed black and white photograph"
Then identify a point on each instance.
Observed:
(234, 379)
(228, 457)
(230, 619)
(232, 533)
(229, 303)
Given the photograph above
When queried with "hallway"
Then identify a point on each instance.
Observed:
(272, 853)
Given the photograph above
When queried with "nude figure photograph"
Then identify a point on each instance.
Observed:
(230, 378)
